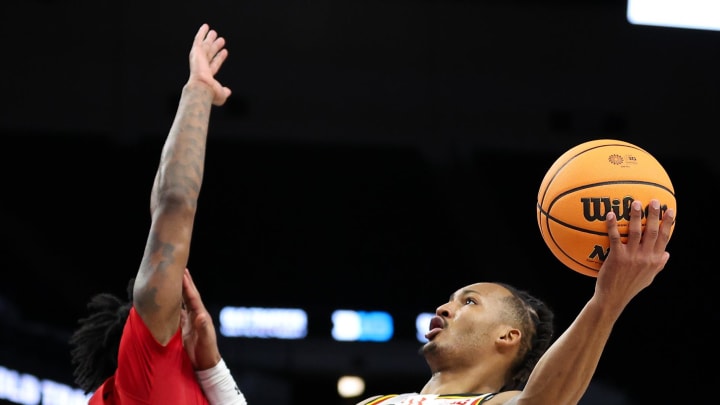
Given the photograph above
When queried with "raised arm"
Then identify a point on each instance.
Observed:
(157, 295)
(564, 372)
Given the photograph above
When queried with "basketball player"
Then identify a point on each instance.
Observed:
(161, 348)
(490, 343)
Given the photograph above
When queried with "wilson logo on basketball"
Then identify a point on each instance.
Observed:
(587, 182)
(596, 208)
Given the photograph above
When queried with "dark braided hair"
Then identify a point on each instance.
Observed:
(95, 344)
(536, 321)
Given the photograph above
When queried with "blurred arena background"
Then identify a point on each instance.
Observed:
(375, 155)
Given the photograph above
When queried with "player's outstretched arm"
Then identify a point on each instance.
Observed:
(564, 372)
(157, 294)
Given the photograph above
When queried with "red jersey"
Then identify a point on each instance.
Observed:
(149, 373)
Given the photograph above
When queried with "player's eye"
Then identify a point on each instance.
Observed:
(470, 301)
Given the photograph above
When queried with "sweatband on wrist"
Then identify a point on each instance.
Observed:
(219, 386)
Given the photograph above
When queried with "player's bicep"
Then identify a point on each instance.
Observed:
(157, 293)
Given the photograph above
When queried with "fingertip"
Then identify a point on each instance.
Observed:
(203, 28)
(670, 213)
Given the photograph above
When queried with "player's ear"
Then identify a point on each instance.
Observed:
(508, 339)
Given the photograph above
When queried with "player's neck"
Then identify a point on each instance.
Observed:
(461, 382)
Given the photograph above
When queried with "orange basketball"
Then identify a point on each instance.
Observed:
(583, 185)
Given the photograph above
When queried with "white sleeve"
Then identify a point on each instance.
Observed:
(219, 386)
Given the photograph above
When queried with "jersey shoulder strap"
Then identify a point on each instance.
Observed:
(473, 399)
(465, 399)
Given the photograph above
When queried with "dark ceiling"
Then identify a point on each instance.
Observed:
(374, 155)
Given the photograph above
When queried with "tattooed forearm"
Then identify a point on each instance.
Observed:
(183, 156)
(179, 180)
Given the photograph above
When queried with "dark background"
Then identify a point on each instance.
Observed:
(374, 155)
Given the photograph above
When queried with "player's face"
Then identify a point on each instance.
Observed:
(470, 320)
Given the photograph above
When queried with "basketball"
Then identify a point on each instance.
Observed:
(583, 185)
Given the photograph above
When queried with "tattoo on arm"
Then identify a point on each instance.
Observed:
(165, 252)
